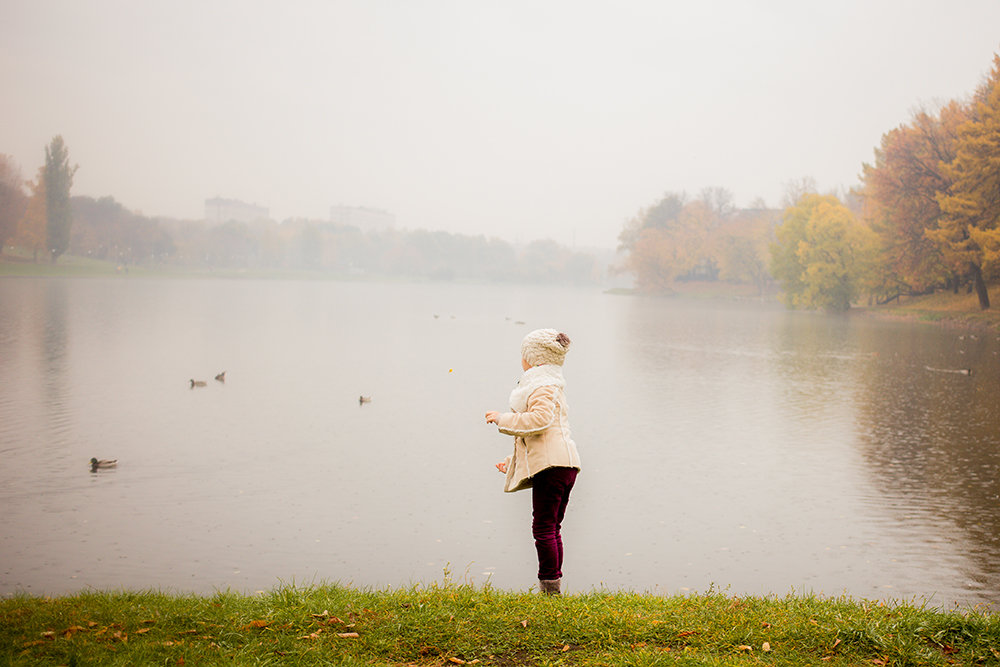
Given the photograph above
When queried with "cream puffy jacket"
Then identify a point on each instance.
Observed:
(541, 436)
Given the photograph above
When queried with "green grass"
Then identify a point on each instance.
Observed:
(455, 624)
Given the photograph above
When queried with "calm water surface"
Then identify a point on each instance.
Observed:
(733, 447)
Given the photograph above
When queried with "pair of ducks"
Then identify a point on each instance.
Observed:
(221, 377)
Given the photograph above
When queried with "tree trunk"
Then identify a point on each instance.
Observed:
(980, 285)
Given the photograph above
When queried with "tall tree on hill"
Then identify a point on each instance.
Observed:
(13, 201)
(969, 230)
(58, 182)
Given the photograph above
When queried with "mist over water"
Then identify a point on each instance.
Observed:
(734, 446)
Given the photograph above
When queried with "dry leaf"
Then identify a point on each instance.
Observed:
(835, 644)
(744, 648)
(323, 615)
(348, 635)
(766, 646)
(49, 634)
(457, 661)
(524, 623)
(565, 648)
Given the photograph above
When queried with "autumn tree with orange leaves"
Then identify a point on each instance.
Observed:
(900, 193)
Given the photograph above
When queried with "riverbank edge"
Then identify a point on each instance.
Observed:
(460, 624)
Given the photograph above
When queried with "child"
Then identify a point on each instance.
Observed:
(545, 458)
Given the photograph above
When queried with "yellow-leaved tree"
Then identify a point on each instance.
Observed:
(968, 232)
(822, 255)
(31, 229)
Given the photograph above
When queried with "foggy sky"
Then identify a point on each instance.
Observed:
(515, 119)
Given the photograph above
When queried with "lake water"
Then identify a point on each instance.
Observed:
(725, 446)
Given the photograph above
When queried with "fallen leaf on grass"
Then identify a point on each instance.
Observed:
(37, 642)
(256, 624)
(314, 635)
(142, 631)
(766, 647)
(687, 633)
(457, 661)
(565, 648)
(524, 623)
(348, 635)
(744, 648)
(835, 644)
(49, 634)
(322, 615)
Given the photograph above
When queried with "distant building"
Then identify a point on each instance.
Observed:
(226, 210)
(365, 219)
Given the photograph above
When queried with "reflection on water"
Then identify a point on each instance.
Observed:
(737, 446)
(931, 442)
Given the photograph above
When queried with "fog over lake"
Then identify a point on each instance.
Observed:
(733, 446)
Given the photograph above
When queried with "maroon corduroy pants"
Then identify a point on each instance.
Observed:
(549, 497)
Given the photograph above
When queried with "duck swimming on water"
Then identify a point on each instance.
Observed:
(197, 383)
(221, 377)
(364, 399)
(102, 464)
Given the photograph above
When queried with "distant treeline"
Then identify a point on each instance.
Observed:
(925, 217)
(104, 229)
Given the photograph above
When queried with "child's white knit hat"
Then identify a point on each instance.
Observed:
(545, 346)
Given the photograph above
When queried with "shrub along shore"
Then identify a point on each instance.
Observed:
(450, 624)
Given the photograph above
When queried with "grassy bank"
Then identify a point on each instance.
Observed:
(453, 624)
(944, 308)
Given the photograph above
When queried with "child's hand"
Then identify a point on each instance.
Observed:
(491, 417)
(502, 467)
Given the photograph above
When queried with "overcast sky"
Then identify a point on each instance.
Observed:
(516, 119)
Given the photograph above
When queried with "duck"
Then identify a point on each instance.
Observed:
(197, 383)
(364, 399)
(221, 377)
(102, 464)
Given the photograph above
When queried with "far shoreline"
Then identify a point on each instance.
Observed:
(942, 308)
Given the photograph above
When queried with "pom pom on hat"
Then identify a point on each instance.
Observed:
(545, 346)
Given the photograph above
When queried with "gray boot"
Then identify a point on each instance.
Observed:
(549, 586)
